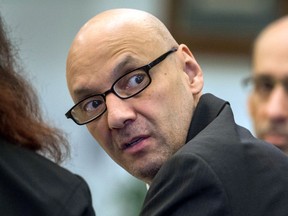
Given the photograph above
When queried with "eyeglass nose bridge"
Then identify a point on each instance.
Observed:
(104, 95)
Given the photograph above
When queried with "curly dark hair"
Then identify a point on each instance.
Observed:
(21, 121)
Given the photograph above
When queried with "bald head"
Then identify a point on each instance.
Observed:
(274, 38)
(278, 28)
(114, 20)
(112, 30)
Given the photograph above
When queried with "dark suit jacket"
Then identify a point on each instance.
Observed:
(31, 185)
(222, 170)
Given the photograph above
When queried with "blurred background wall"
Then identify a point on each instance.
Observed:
(43, 31)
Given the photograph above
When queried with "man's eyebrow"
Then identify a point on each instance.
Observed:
(83, 93)
(124, 65)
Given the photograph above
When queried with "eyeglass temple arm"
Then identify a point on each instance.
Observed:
(161, 58)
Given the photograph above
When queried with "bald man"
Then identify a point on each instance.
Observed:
(139, 93)
(268, 102)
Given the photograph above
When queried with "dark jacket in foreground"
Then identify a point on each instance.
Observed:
(31, 185)
(222, 170)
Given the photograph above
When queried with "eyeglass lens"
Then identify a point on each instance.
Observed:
(266, 84)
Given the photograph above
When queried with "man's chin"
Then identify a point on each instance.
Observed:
(147, 173)
(279, 141)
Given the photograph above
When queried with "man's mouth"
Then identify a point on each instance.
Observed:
(133, 142)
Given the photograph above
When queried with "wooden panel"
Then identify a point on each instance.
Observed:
(222, 26)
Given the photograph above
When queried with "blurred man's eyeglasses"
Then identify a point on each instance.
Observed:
(264, 84)
(126, 86)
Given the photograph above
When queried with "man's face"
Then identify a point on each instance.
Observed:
(268, 102)
(142, 132)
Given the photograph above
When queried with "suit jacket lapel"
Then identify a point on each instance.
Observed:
(206, 111)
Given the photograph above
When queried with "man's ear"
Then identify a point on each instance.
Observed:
(191, 68)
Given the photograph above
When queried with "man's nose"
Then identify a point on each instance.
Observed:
(277, 105)
(119, 112)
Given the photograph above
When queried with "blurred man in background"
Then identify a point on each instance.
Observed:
(268, 101)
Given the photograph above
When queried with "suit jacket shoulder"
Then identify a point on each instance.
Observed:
(222, 170)
(33, 185)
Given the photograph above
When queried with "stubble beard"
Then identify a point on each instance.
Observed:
(151, 166)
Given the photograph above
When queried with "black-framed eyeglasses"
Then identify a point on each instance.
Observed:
(126, 86)
(264, 84)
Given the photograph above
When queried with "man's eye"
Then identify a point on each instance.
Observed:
(132, 81)
(92, 105)
(135, 80)
(264, 86)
